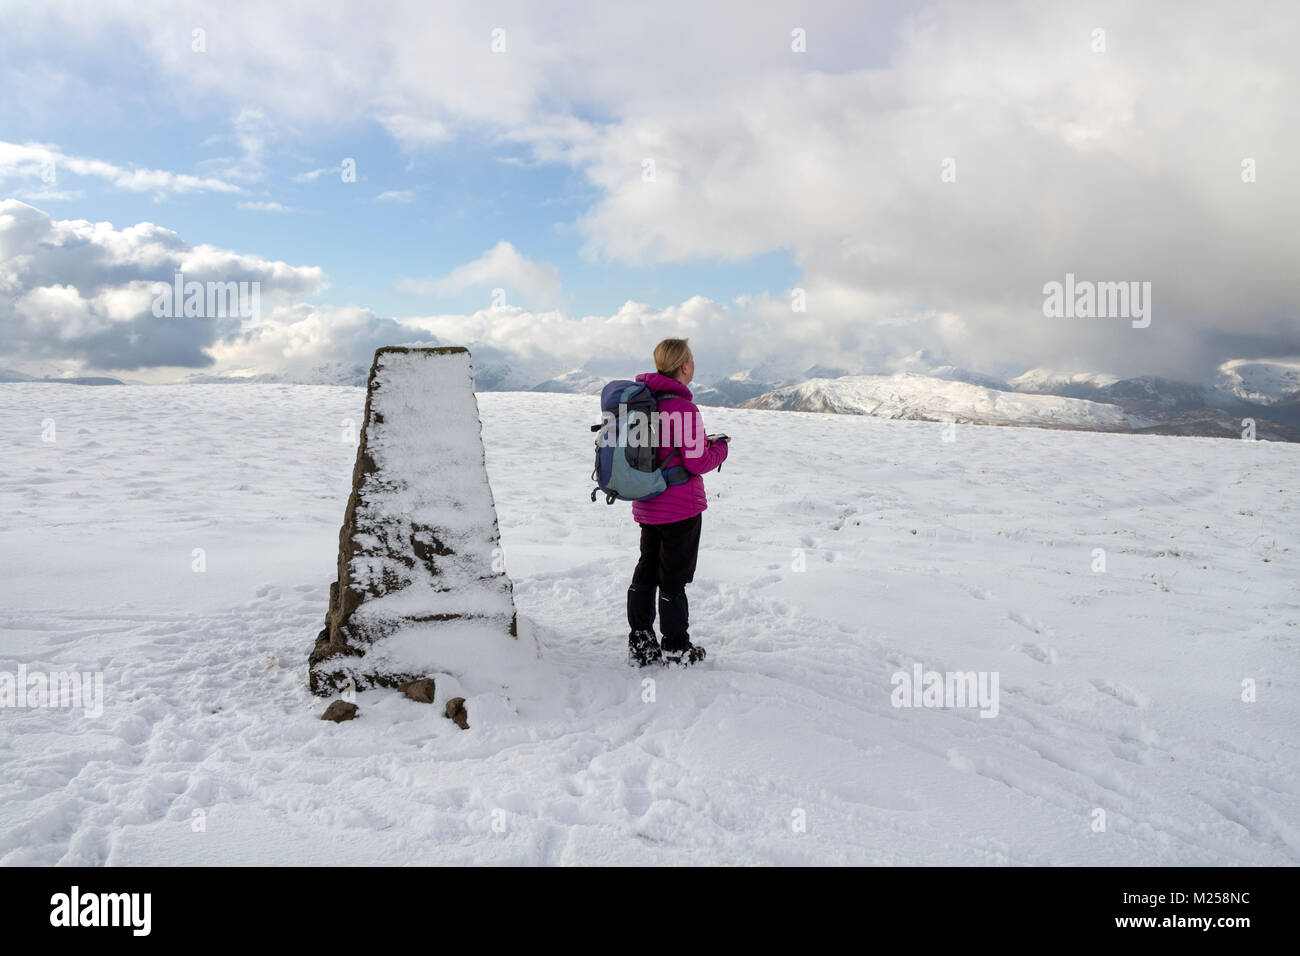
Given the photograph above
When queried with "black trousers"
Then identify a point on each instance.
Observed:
(668, 554)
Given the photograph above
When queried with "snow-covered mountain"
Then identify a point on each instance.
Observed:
(492, 373)
(9, 375)
(1148, 395)
(827, 371)
(578, 382)
(1171, 395)
(329, 373)
(1264, 382)
(734, 389)
(954, 373)
(1045, 381)
(728, 392)
(1266, 392)
(908, 395)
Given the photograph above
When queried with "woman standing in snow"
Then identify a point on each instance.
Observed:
(670, 521)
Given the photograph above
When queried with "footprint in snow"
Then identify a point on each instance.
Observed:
(1122, 693)
(1038, 627)
(1044, 655)
(845, 515)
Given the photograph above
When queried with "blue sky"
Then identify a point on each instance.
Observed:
(445, 207)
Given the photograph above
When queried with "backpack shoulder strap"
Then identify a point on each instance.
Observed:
(674, 474)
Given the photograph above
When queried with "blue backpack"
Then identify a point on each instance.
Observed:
(626, 445)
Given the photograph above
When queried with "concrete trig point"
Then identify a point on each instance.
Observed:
(420, 579)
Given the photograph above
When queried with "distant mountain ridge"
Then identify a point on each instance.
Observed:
(1145, 404)
(10, 376)
(911, 395)
(1267, 393)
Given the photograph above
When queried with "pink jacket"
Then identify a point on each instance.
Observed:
(683, 501)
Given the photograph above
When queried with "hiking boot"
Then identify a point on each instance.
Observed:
(682, 656)
(674, 619)
(643, 649)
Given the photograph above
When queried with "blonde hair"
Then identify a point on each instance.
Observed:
(671, 355)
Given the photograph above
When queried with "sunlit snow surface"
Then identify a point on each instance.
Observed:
(1119, 691)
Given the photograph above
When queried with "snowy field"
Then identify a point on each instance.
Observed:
(836, 552)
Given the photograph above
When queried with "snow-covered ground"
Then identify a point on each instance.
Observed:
(1120, 691)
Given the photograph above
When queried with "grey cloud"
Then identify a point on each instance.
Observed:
(78, 290)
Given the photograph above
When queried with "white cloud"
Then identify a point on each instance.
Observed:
(400, 196)
(502, 266)
(48, 164)
(251, 132)
(414, 131)
(50, 195)
(296, 340)
(265, 206)
(72, 291)
(311, 175)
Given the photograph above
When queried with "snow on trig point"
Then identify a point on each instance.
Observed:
(421, 590)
